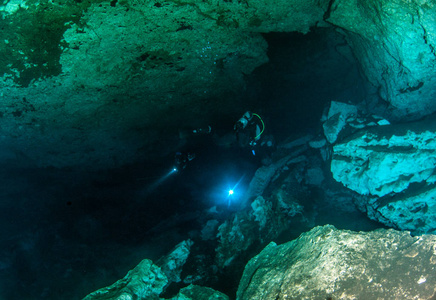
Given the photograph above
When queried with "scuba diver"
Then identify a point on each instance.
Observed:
(185, 134)
(181, 159)
(249, 129)
(205, 130)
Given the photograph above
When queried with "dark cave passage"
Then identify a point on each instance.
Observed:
(304, 73)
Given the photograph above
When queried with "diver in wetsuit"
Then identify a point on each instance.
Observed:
(249, 129)
(181, 160)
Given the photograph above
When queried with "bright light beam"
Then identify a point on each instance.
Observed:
(161, 180)
(232, 191)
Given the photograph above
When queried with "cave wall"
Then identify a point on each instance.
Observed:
(105, 83)
(394, 41)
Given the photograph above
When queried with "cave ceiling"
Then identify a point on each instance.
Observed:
(101, 84)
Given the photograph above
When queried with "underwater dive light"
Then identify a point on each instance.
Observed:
(231, 193)
(160, 180)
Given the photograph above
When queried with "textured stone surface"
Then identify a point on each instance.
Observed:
(173, 263)
(337, 119)
(386, 159)
(195, 292)
(264, 221)
(148, 280)
(394, 165)
(145, 281)
(265, 174)
(394, 42)
(327, 263)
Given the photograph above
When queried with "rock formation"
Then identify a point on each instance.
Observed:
(145, 281)
(148, 280)
(395, 167)
(195, 292)
(394, 42)
(326, 263)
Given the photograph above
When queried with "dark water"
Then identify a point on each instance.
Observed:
(64, 233)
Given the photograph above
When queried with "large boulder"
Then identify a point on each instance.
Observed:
(394, 42)
(327, 263)
(395, 166)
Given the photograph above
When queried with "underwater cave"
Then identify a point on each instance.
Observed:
(193, 145)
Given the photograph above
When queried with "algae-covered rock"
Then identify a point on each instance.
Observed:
(145, 281)
(327, 263)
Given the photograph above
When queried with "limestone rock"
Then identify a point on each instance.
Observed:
(336, 119)
(266, 174)
(326, 263)
(235, 236)
(261, 211)
(344, 119)
(173, 263)
(315, 176)
(395, 166)
(293, 144)
(318, 142)
(383, 160)
(247, 230)
(394, 41)
(195, 292)
(145, 281)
